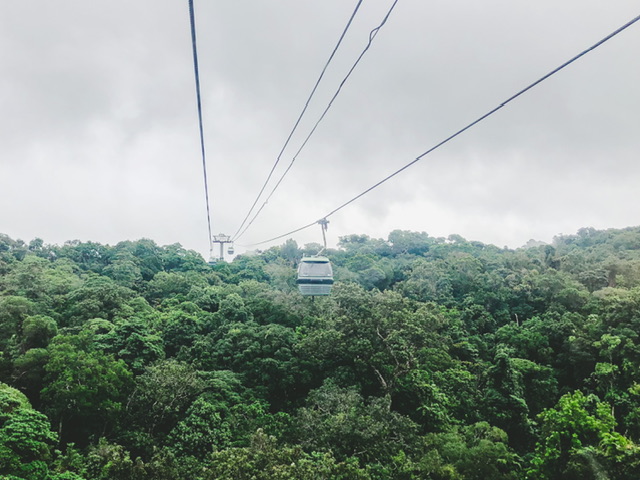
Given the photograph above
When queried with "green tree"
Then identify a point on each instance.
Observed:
(110, 461)
(28, 373)
(578, 441)
(162, 396)
(165, 285)
(265, 460)
(374, 339)
(403, 241)
(26, 439)
(182, 325)
(339, 420)
(132, 340)
(37, 332)
(475, 452)
(504, 401)
(263, 354)
(98, 297)
(84, 390)
(13, 311)
(125, 272)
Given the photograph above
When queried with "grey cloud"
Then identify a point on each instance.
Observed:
(98, 119)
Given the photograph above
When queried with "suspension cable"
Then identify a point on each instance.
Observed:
(451, 137)
(295, 126)
(199, 103)
(372, 35)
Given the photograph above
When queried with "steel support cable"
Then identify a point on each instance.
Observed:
(304, 109)
(451, 137)
(192, 19)
(281, 236)
(372, 35)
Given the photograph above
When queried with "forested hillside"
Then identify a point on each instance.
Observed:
(432, 359)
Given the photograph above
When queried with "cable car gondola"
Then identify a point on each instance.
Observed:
(315, 276)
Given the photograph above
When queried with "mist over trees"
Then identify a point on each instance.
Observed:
(433, 358)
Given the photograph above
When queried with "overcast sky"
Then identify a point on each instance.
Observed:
(99, 137)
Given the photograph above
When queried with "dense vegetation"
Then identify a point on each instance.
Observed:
(433, 359)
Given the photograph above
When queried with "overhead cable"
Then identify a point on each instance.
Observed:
(372, 35)
(451, 137)
(304, 109)
(192, 18)
(281, 236)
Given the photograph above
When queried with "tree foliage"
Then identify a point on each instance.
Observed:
(434, 358)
